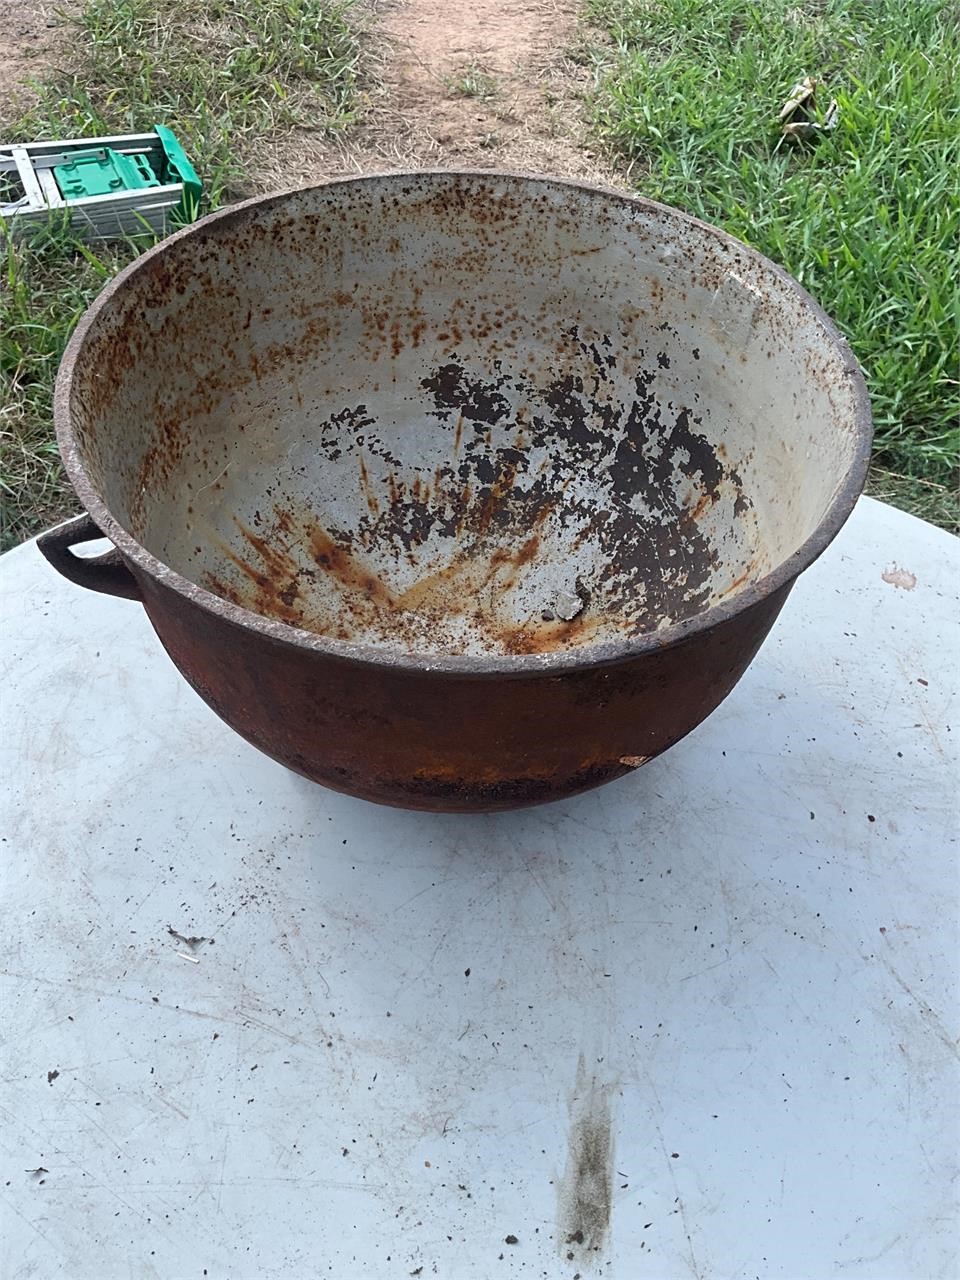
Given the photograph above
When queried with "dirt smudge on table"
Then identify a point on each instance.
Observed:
(585, 1193)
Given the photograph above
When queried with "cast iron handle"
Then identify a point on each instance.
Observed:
(106, 573)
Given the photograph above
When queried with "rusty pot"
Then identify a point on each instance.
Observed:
(457, 490)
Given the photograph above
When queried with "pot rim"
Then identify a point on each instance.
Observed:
(586, 656)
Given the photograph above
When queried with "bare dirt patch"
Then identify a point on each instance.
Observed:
(31, 34)
(489, 85)
(484, 85)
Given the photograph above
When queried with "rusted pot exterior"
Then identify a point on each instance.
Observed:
(457, 491)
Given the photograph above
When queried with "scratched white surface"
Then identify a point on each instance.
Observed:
(726, 949)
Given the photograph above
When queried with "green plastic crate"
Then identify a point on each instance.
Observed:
(103, 172)
(108, 187)
(177, 168)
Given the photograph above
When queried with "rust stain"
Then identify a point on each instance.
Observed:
(275, 560)
(223, 589)
(739, 581)
(373, 505)
(478, 586)
(349, 572)
(275, 588)
(541, 636)
(528, 551)
(704, 503)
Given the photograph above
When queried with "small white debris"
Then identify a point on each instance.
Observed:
(567, 605)
(183, 956)
(798, 114)
(800, 94)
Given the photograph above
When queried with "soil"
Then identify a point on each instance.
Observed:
(30, 36)
(430, 56)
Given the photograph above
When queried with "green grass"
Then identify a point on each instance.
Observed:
(45, 290)
(472, 81)
(225, 78)
(867, 218)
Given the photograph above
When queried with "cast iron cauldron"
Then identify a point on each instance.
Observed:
(457, 490)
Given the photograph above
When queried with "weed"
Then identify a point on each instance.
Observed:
(472, 81)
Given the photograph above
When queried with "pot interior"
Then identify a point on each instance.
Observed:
(463, 414)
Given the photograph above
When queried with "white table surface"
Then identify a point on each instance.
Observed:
(721, 993)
